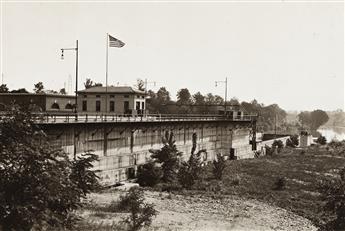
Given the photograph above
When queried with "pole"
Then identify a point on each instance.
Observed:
(226, 93)
(106, 75)
(76, 79)
(145, 85)
(275, 126)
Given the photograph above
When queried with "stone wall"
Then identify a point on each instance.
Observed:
(121, 148)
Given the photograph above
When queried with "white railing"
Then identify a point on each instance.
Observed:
(111, 118)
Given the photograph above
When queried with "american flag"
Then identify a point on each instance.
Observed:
(114, 42)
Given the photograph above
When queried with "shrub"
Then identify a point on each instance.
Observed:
(278, 144)
(149, 174)
(292, 141)
(218, 166)
(141, 213)
(38, 184)
(321, 140)
(333, 193)
(280, 183)
(190, 171)
(168, 156)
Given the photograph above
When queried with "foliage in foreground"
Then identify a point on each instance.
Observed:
(141, 213)
(333, 193)
(39, 185)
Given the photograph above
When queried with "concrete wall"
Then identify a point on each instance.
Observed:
(123, 147)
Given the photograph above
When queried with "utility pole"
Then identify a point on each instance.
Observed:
(76, 49)
(154, 84)
(226, 91)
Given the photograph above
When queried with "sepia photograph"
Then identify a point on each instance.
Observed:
(172, 115)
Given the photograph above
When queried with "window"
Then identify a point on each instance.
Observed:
(126, 107)
(112, 106)
(98, 96)
(143, 97)
(111, 96)
(143, 105)
(138, 96)
(126, 96)
(137, 106)
(84, 105)
(98, 105)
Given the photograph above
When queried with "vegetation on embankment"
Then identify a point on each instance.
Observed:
(290, 180)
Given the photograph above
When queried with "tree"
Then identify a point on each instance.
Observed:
(38, 87)
(168, 156)
(190, 171)
(304, 118)
(318, 118)
(218, 99)
(88, 83)
(218, 166)
(234, 101)
(39, 186)
(140, 85)
(3, 88)
(184, 97)
(163, 96)
(198, 99)
(20, 90)
(63, 91)
(141, 213)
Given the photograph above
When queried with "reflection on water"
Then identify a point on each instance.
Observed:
(333, 133)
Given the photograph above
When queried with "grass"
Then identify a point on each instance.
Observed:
(257, 179)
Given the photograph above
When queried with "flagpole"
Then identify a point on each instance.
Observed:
(106, 75)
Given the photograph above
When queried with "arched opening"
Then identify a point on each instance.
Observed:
(69, 106)
(55, 106)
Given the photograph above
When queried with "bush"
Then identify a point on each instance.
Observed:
(321, 140)
(218, 166)
(292, 141)
(280, 183)
(190, 171)
(141, 213)
(168, 156)
(278, 144)
(149, 174)
(39, 186)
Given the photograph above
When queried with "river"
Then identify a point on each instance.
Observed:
(333, 133)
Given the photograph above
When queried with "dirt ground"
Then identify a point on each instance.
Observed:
(178, 212)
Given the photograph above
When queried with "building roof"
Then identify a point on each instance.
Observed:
(112, 90)
(36, 95)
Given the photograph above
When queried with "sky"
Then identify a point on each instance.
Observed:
(289, 53)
